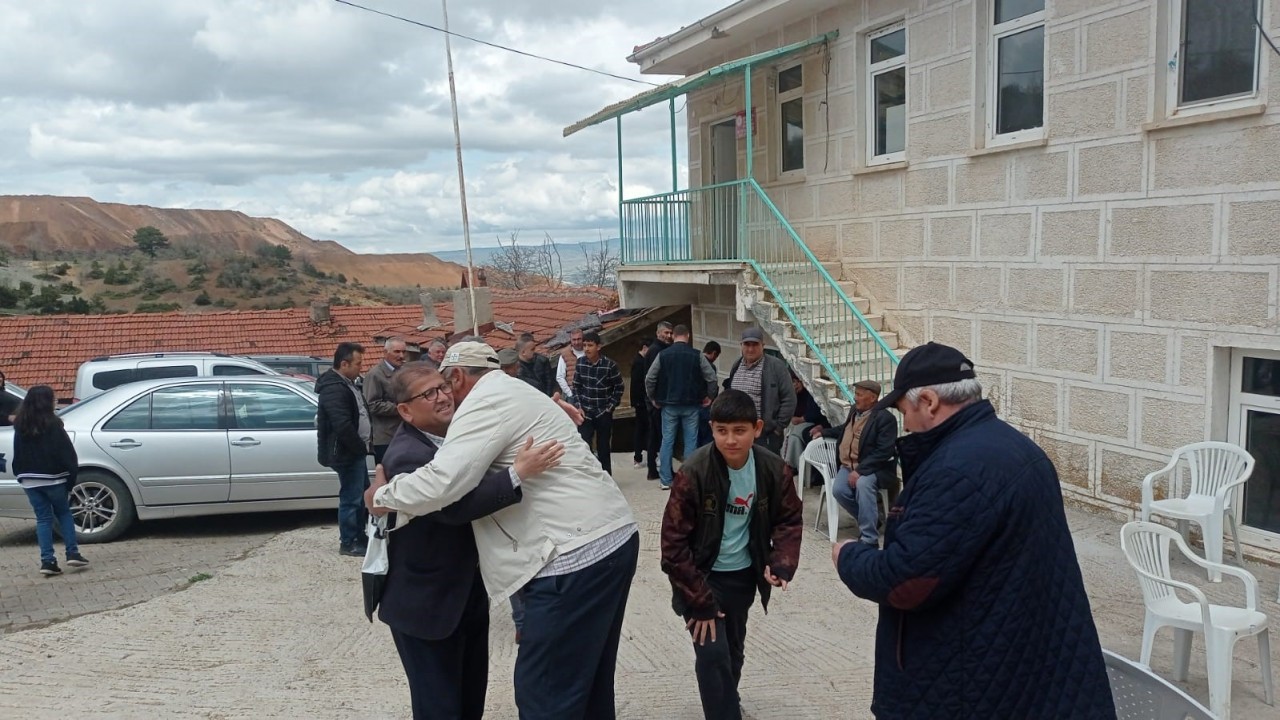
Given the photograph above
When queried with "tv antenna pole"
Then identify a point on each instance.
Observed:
(462, 182)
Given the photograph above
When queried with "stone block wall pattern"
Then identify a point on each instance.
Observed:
(1091, 275)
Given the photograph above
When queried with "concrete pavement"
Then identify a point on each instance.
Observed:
(280, 633)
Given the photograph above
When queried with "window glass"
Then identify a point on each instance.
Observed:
(1219, 49)
(268, 407)
(108, 379)
(793, 135)
(891, 111)
(791, 79)
(888, 46)
(162, 372)
(1007, 10)
(1261, 377)
(1020, 81)
(233, 370)
(135, 416)
(186, 408)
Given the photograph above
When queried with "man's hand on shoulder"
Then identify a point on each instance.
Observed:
(534, 459)
(379, 480)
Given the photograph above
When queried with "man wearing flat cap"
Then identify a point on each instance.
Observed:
(767, 379)
(569, 546)
(867, 454)
(983, 611)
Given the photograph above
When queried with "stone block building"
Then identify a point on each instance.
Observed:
(1083, 195)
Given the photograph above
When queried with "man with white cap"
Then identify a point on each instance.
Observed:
(570, 546)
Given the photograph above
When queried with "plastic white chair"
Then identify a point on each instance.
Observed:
(821, 454)
(1140, 694)
(1146, 546)
(1215, 469)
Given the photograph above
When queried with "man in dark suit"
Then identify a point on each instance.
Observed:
(434, 599)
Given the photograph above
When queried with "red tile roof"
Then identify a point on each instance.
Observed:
(47, 349)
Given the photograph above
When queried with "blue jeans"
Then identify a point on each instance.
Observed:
(860, 503)
(685, 417)
(353, 480)
(50, 504)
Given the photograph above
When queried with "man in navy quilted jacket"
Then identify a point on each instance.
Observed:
(983, 612)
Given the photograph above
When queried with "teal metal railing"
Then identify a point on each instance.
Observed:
(738, 222)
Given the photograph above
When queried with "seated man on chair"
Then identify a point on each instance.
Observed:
(867, 454)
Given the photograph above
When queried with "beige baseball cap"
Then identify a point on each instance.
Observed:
(470, 355)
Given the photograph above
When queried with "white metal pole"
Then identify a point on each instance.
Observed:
(462, 182)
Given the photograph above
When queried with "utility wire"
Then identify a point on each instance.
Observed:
(491, 44)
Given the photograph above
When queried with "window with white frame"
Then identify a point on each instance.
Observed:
(1015, 87)
(887, 89)
(791, 118)
(1216, 57)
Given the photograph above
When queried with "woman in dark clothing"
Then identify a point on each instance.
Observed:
(45, 464)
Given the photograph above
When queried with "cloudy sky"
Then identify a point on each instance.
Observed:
(330, 118)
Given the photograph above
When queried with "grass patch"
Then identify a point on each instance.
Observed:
(199, 577)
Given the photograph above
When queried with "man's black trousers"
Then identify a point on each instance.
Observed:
(569, 645)
(448, 678)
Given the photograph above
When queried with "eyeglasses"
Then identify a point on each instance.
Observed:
(430, 394)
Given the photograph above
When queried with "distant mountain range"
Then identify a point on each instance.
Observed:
(573, 255)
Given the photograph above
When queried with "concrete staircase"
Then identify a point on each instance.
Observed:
(837, 334)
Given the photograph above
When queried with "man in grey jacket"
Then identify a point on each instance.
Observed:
(379, 399)
(767, 380)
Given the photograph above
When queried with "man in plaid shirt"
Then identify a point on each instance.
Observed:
(597, 389)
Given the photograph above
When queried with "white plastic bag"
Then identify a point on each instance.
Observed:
(373, 573)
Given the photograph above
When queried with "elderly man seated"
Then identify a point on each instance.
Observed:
(867, 455)
(805, 418)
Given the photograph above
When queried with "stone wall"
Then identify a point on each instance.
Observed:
(1094, 276)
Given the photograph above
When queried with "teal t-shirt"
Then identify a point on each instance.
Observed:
(734, 553)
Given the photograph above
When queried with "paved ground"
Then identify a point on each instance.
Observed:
(154, 559)
(279, 633)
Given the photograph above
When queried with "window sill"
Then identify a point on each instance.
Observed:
(795, 177)
(1205, 117)
(1008, 147)
(882, 167)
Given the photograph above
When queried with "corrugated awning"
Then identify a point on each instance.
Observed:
(693, 82)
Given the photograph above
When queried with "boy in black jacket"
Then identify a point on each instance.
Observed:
(731, 529)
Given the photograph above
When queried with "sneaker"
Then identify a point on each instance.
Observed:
(637, 464)
(50, 567)
(76, 560)
(352, 550)
(664, 487)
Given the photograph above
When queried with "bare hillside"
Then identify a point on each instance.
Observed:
(44, 225)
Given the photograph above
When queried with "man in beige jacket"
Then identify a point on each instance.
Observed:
(571, 544)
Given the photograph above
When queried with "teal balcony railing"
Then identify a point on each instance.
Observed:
(737, 222)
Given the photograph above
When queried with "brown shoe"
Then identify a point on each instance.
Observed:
(517, 637)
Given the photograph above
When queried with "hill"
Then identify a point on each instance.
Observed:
(45, 227)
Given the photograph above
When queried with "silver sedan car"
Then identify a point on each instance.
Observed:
(187, 447)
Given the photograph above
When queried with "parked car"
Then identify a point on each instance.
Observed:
(109, 371)
(13, 395)
(187, 447)
(295, 364)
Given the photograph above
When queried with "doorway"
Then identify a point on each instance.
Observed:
(1255, 426)
(718, 209)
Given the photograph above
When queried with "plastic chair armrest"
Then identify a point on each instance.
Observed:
(1246, 578)
(1148, 483)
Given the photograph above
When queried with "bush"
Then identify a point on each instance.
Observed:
(279, 254)
(157, 307)
(62, 269)
(95, 271)
(203, 299)
(224, 303)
